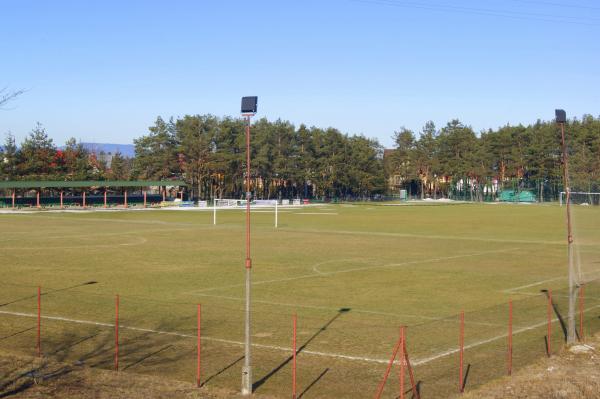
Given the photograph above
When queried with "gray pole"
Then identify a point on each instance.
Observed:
(247, 369)
(573, 286)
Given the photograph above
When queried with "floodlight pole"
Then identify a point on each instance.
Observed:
(247, 369)
(573, 286)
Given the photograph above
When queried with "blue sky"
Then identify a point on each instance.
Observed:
(102, 71)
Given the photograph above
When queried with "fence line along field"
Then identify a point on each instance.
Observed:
(353, 274)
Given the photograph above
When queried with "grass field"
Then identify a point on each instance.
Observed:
(352, 273)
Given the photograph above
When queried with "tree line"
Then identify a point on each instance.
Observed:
(455, 161)
(309, 162)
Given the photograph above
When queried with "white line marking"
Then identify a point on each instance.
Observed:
(315, 267)
(510, 290)
(253, 283)
(89, 235)
(487, 341)
(327, 274)
(330, 308)
(226, 341)
(137, 241)
(316, 213)
(416, 362)
(414, 262)
(433, 237)
(354, 310)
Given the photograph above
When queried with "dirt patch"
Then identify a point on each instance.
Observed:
(568, 375)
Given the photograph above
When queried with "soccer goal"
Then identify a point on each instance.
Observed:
(580, 198)
(229, 203)
(241, 204)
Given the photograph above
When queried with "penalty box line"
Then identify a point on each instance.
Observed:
(522, 287)
(489, 340)
(366, 311)
(319, 273)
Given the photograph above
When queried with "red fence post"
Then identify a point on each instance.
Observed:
(125, 198)
(84, 199)
(144, 199)
(510, 350)
(37, 199)
(402, 356)
(61, 199)
(117, 333)
(13, 199)
(105, 198)
(549, 335)
(295, 321)
(39, 321)
(581, 336)
(387, 371)
(461, 344)
(198, 349)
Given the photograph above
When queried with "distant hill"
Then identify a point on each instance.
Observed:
(127, 150)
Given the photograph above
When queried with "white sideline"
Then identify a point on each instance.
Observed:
(318, 231)
(416, 362)
(61, 237)
(226, 341)
(316, 213)
(432, 237)
(137, 241)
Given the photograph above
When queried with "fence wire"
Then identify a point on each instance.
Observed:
(341, 353)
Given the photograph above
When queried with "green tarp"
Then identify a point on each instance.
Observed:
(514, 196)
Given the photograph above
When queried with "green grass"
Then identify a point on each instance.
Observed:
(417, 266)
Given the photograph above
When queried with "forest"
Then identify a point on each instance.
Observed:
(208, 152)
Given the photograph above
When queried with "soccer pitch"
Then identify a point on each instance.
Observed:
(352, 273)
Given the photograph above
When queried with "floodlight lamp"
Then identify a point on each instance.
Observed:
(561, 116)
(249, 104)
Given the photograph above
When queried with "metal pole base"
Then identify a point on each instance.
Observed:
(246, 380)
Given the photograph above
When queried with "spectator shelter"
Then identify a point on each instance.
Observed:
(104, 193)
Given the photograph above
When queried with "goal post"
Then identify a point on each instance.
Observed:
(230, 203)
(580, 198)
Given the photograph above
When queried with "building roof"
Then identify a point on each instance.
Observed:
(88, 183)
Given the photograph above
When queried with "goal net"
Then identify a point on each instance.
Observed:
(585, 219)
(230, 203)
(235, 203)
(580, 198)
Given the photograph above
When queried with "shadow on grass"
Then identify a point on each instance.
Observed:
(48, 292)
(221, 371)
(93, 347)
(313, 383)
(561, 320)
(17, 333)
(466, 377)
(264, 379)
(22, 381)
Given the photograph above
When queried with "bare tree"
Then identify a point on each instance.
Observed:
(8, 95)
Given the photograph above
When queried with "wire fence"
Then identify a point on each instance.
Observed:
(340, 352)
